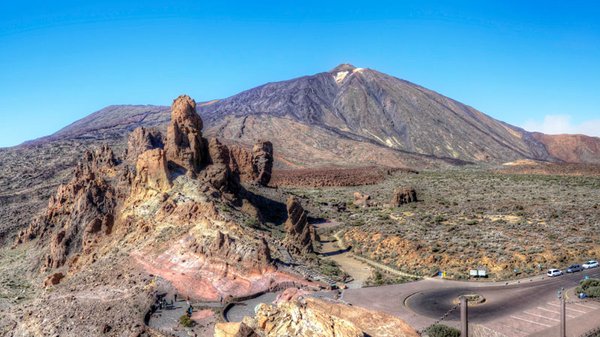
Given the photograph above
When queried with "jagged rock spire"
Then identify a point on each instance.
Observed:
(184, 146)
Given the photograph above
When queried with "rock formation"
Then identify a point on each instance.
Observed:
(116, 213)
(292, 318)
(254, 166)
(140, 140)
(255, 257)
(53, 279)
(403, 195)
(151, 172)
(307, 317)
(184, 145)
(262, 162)
(81, 212)
(219, 173)
(299, 234)
(361, 200)
(240, 162)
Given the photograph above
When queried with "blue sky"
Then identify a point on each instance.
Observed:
(530, 63)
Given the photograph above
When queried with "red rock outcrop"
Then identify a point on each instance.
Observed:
(256, 257)
(184, 145)
(319, 177)
(299, 233)
(403, 195)
(141, 140)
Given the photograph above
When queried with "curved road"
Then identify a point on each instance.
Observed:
(423, 302)
(500, 299)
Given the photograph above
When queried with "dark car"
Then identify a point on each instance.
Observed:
(574, 268)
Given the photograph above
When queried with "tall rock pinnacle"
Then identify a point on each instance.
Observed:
(184, 146)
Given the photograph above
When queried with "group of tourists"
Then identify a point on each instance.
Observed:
(162, 303)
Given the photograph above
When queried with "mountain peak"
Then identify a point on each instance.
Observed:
(343, 67)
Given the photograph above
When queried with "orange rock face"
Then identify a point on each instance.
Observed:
(151, 172)
(184, 145)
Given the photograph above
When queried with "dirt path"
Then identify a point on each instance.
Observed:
(358, 270)
(341, 243)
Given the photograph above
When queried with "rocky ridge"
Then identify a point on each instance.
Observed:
(345, 118)
(152, 197)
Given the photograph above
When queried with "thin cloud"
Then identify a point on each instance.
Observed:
(561, 124)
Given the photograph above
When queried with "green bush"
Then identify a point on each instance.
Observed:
(185, 321)
(252, 223)
(593, 292)
(590, 287)
(440, 330)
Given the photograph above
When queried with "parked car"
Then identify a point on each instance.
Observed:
(574, 268)
(590, 264)
(554, 272)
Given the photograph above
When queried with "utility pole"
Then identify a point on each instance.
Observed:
(563, 313)
(464, 313)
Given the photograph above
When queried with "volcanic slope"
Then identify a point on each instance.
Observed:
(347, 117)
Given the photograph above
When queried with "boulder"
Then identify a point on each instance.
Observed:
(53, 279)
(403, 195)
(361, 200)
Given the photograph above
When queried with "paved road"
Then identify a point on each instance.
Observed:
(422, 303)
(501, 300)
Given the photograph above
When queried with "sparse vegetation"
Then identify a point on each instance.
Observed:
(185, 321)
(440, 330)
(502, 222)
(590, 287)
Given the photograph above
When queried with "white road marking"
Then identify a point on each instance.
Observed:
(554, 312)
(586, 306)
(556, 305)
(529, 321)
(544, 317)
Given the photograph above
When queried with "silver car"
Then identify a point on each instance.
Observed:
(590, 264)
(554, 272)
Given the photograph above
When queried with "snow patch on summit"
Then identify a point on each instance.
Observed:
(339, 77)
